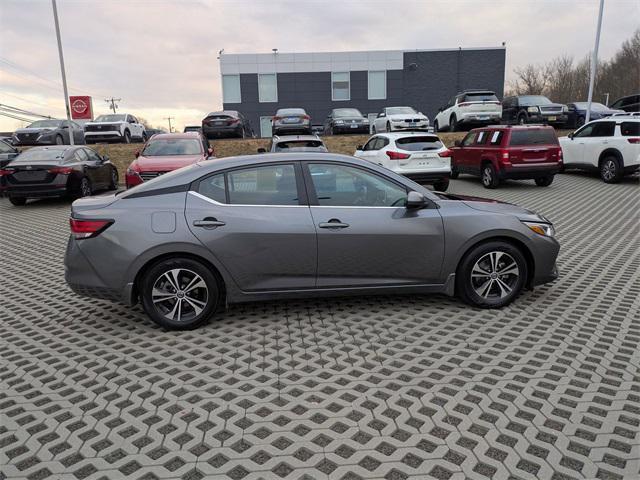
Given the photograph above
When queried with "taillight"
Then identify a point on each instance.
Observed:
(633, 140)
(504, 156)
(306, 117)
(88, 228)
(464, 104)
(233, 121)
(445, 154)
(61, 170)
(276, 118)
(4, 171)
(397, 155)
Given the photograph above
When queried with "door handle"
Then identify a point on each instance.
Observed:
(208, 222)
(333, 223)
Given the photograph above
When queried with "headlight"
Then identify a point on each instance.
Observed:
(339, 122)
(131, 171)
(532, 109)
(544, 229)
(397, 119)
(366, 120)
(565, 109)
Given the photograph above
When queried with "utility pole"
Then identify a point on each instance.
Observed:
(594, 61)
(169, 119)
(62, 70)
(112, 103)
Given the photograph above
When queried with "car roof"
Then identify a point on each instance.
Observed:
(223, 112)
(482, 90)
(289, 138)
(57, 147)
(533, 126)
(405, 134)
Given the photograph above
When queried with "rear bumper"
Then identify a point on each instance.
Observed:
(291, 128)
(480, 119)
(32, 191)
(527, 172)
(427, 177)
(219, 132)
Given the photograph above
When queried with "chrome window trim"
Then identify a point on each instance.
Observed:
(210, 200)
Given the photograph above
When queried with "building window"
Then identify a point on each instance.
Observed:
(340, 86)
(378, 85)
(231, 89)
(267, 87)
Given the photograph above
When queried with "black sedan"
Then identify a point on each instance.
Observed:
(227, 123)
(345, 120)
(49, 132)
(55, 172)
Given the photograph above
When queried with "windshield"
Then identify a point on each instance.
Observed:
(46, 124)
(421, 143)
(301, 146)
(34, 155)
(170, 146)
(291, 111)
(400, 110)
(596, 107)
(110, 118)
(533, 100)
(346, 112)
(481, 97)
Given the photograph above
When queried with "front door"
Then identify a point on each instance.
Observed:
(256, 222)
(366, 237)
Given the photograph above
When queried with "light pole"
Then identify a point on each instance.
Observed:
(594, 61)
(64, 75)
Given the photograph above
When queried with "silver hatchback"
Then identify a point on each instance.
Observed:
(272, 226)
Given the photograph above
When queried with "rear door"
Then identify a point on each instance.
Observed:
(255, 220)
(463, 153)
(100, 171)
(370, 150)
(366, 237)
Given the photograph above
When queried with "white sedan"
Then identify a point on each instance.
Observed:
(400, 118)
(419, 156)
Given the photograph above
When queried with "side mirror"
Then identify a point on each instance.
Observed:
(262, 150)
(137, 154)
(415, 200)
(457, 143)
(359, 147)
(570, 135)
(210, 151)
(105, 158)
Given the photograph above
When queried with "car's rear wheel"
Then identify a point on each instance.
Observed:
(489, 176)
(441, 185)
(453, 122)
(610, 170)
(455, 173)
(113, 183)
(544, 181)
(388, 126)
(436, 127)
(522, 119)
(179, 293)
(59, 140)
(18, 201)
(84, 190)
(491, 275)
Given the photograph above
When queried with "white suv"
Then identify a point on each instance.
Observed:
(471, 107)
(419, 156)
(610, 145)
(121, 127)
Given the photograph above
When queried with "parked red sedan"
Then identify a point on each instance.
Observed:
(501, 152)
(166, 152)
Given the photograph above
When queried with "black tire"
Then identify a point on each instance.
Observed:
(489, 176)
(455, 173)
(59, 140)
(373, 129)
(113, 183)
(580, 122)
(611, 170)
(388, 126)
(436, 127)
(84, 188)
(441, 185)
(473, 287)
(544, 181)
(453, 123)
(127, 137)
(206, 298)
(144, 137)
(522, 119)
(18, 201)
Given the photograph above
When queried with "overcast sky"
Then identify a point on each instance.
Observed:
(159, 56)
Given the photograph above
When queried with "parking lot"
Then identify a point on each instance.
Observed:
(394, 387)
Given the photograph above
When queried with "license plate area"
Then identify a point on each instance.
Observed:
(30, 175)
(291, 120)
(552, 118)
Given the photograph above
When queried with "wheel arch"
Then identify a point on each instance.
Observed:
(611, 152)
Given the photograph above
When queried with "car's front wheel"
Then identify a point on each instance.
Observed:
(179, 293)
(441, 185)
(127, 137)
(489, 176)
(491, 275)
(85, 189)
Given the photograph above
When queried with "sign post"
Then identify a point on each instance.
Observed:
(64, 75)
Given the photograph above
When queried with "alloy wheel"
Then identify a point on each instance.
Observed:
(487, 176)
(609, 170)
(180, 295)
(495, 275)
(85, 188)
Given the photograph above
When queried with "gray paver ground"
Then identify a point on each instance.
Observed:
(393, 387)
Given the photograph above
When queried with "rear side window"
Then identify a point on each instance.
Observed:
(81, 155)
(630, 129)
(539, 136)
(480, 97)
(213, 188)
(268, 185)
(496, 137)
(481, 138)
(417, 144)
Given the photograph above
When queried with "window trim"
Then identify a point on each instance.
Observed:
(369, 97)
(260, 100)
(237, 75)
(333, 99)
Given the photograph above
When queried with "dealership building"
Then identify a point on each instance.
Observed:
(259, 84)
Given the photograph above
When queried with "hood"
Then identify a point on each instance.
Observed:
(495, 206)
(104, 123)
(402, 116)
(165, 162)
(350, 119)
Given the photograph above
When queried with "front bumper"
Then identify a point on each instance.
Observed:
(544, 251)
(349, 129)
(106, 135)
(415, 127)
(480, 119)
(555, 119)
(527, 172)
(30, 142)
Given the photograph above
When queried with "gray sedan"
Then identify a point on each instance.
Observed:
(281, 226)
(49, 132)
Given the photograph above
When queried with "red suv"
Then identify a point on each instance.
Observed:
(501, 152)
(165, 152)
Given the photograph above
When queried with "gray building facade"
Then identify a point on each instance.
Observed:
(258, 84)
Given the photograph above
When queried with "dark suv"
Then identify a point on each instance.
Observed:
(525, 109)
(503, 152)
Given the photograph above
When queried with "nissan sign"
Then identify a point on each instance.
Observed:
(81, 108)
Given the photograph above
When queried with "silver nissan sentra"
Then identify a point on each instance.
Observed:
(277, 226)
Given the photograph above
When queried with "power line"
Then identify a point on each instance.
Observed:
(20, 111)
(112, 101)
(15, 117)
(25, 99)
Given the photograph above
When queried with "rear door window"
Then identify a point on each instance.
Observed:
(630, 129)
(481, 138)
(214, 188)
(538, 136)
(371, 144)
(80, 155)
(266, 185)
(419, 143)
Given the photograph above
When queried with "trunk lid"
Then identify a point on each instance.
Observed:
(93, 203)
(32, 173)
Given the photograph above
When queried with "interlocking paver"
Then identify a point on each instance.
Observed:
(393, 387)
